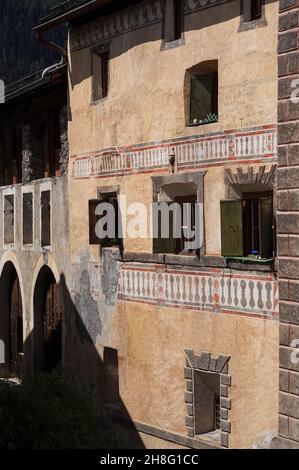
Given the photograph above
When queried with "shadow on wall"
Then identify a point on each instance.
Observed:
(196, 17)
(60, 335)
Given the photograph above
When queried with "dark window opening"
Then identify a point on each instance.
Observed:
(9, 219)
(100, 74)
(108, 198)
(183, 208)
(255, 10)
(187, 205)
(27, 219)
(247, 226)
(173, 20)
(206, 402)
(46, 218)
(204, 99)
(201, 93)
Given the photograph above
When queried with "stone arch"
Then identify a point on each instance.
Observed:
(12, 314)
(48, 313)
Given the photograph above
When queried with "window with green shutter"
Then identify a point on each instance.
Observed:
(247, 226)
(232, 228)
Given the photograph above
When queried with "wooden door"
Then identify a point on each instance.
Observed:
(52, 326)
(16, 318)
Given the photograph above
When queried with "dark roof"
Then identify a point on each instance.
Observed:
(34, 81)
(71, 10)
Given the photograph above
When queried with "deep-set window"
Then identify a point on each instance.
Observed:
(9, 219)
(247, 226)
(206, 402)
(201, 94)
(255, 10)
(251, 10)
(173, 20)
(100, 73)
(112, 201)
(46, 218)
(27, 219)
(181, 211)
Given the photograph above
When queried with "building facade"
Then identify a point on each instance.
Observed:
(175, 102)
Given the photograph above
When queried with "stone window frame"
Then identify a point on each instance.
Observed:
(245, 24)
(253, 177)
(28, 190)
(197, 178)
(9, 192)
(204, 362)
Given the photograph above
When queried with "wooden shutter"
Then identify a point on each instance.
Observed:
(232, 228)
(266, 227)
(93, 219)
(165, 245)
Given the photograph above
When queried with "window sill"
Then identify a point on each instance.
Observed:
(167, 45)
(202, 124)
(255, 24)
(252, 264)
(212, 438)
(95, 102)
(198, 262)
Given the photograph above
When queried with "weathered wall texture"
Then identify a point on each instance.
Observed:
(124, 140)
(288, 224)
(154, 351)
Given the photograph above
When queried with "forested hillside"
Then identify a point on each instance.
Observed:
(20, 52)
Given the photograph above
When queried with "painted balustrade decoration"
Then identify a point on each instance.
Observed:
(217, 290)
(189, 152)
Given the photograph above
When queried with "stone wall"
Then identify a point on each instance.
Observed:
(288, 222)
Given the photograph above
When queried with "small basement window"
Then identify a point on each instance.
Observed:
(206, 402)
(202, 94)
(247, 226)
(100, 73)
(173, 20)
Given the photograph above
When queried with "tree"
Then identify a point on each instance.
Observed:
(21, 54)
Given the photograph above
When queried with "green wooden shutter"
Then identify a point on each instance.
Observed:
(266, 227)
(165, 245)
(232, 228)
